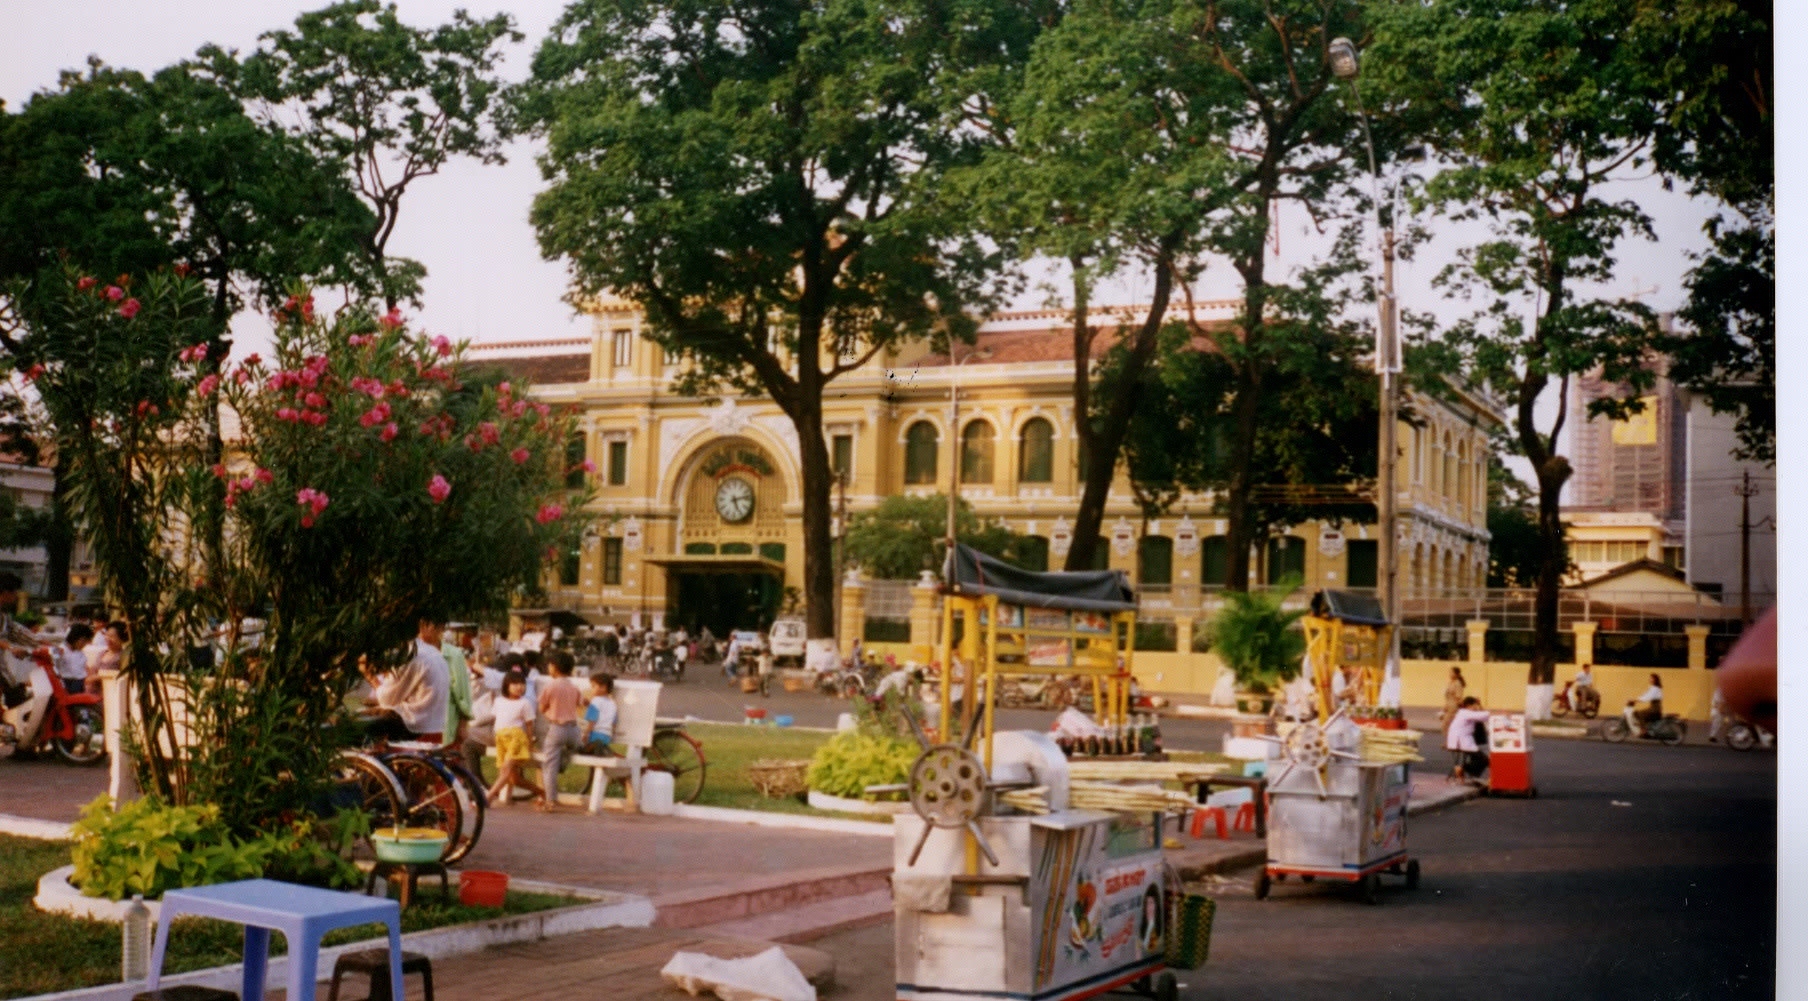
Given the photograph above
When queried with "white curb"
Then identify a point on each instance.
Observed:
(832, 825)
(31, 827)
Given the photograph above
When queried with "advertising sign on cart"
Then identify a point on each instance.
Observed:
(1099, 894)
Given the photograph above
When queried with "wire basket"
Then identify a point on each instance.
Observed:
(778, 778)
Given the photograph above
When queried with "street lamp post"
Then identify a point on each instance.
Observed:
(1345, 65)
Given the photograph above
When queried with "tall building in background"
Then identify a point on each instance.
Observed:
(1635, 465)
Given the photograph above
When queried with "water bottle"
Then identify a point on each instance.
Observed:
(135, 930)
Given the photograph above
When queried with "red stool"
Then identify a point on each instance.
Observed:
(1215, 814)
(1246, 818)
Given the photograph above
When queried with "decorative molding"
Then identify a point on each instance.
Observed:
(728, 418)
(1186, 537)
(1060, 537)
(672, 435)
(1123, 537)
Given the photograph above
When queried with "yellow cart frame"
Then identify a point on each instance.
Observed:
(1333, 641)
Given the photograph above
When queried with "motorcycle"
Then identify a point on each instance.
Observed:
(1586, 701)
(1742, 735)
(40, 710)
(1670, 730)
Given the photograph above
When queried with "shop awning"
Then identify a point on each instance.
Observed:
(748, 563)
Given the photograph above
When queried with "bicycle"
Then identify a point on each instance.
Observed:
(418, 785)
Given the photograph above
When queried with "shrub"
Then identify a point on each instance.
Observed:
(1256, 637)
(148, 846)
(851, 761)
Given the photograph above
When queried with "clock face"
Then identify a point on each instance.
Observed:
(734, 499)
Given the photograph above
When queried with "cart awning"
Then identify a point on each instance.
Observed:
(718, 563)
(1349, 606)
(1088, 590)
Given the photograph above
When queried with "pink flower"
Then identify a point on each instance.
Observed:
(314, 400)
(443, 346)
(389, 432)
(391, 319)
(240, 377)
(264, 475)
(587, 466)
(438, 488)
(286, 413)
(254, 360)
(115, 293)
(549, 513)
(206, 386)
(196, 353)
(520, 455)
(307, 521)
(491, 435)
(314, 500)
(32, 373)
(85, 283)
(314, 417)
(129, 308)
(219, 470)
(503, 389)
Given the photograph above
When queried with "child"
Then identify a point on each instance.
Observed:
(599, 715)
(514, 714)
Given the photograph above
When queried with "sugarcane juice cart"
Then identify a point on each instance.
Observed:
(1337, 790)
(1002, 888)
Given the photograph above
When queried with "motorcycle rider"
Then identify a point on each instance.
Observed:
(16, 667)
(1653, 698)
(1585, 682)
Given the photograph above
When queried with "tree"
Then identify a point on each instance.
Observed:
(904, 536)
(1718, 80)
(1513, 549)
(1539, 104)
(762, 179)
(390, 102)
(1103, 147)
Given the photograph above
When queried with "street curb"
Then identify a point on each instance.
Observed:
(830, 825)
(613, 910)
(31, 827)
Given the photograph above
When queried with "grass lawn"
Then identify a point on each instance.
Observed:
(41, 953)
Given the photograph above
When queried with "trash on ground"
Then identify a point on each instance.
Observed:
(768, 976)
(1620, 802)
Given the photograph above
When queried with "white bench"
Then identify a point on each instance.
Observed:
(627, 767)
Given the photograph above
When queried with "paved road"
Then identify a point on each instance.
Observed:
(1669, 896)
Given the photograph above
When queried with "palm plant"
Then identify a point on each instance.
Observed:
(1256, 637)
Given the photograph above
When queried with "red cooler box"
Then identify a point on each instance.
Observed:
(1509, 756)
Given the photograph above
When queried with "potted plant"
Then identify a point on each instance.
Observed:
(1256, 638)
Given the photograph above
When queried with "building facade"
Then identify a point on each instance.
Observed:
(698, 503)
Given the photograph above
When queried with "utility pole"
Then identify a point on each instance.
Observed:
(1745, 490)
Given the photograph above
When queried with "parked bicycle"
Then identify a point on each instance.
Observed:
(417, 785)
(679, 755)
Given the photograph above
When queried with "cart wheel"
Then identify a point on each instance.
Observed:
(1166, 988)
(1307, 878)
(1369, 888)
(1412, 874)
(1280, 877)
(1262, 885)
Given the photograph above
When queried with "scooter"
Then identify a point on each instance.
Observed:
(1586, 701)
(48, 712)
(1742, 735)
(1670, 730)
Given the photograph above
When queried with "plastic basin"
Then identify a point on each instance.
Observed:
(480, 888)
(410, 844)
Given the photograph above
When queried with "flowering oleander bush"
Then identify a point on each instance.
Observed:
(362, 476)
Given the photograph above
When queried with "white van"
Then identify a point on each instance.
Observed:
(787, 642)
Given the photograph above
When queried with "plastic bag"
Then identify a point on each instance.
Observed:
(769, 976)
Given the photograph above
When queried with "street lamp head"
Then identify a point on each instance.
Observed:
(1343, 58)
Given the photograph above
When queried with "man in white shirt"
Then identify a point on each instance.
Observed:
(413, 697)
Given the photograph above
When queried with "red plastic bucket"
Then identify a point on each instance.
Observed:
(477, 888)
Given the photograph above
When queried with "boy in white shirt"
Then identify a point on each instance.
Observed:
(599, 715)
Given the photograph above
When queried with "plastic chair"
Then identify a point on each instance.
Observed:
(374, 964)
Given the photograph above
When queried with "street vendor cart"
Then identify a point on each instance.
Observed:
(1012, 879)
(1338, 791)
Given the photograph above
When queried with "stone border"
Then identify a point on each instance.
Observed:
(32, 827)
(609, 910)
(841, 804)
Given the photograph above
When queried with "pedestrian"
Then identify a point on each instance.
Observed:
(514, 714)
(458, 690)
(599, 715)
(1716, 716)
(480, 732)
(1467, 739)
(71, 662)
(1453, 694)
(559, 705)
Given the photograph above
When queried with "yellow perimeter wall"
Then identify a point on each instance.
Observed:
(1500, 684)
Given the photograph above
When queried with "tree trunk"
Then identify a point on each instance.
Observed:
(1239, 533)
(819, 561)
(1552, 561)
(59, 539)
(1103, 444)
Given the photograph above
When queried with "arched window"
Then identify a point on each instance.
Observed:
(976, 453)
(1462, 477)
(1155, 562)
(1036, 452)
(919, 453)
(1214, 561)
(1286, 555)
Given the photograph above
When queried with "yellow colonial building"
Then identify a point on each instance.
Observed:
(698, 503)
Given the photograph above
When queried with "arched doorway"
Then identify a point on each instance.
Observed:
(729, 571)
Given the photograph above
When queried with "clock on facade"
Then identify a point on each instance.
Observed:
(734, 500)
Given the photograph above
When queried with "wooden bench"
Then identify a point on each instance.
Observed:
(627, 767)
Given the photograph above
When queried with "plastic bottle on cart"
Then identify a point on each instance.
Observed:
(135, 941)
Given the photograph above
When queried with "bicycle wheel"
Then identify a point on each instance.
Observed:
(680, 755)
(430, 797)
(370, 786)
(473, 804)
(1615, 730)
